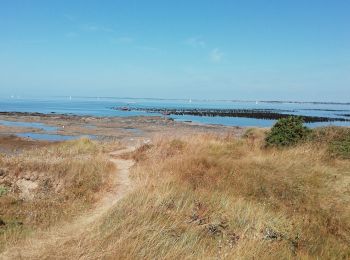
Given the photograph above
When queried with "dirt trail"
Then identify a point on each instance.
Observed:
(36, 247)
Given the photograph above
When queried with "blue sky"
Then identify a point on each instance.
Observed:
(272, 50)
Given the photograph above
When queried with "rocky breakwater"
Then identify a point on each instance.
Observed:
(267, 114)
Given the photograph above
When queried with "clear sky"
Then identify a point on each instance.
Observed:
(271, 50)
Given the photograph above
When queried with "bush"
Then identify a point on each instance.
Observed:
(341, 147)
(287, 131)
(336, 139)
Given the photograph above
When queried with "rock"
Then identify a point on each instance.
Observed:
(216, 229)
(27, 188)
(270, 234)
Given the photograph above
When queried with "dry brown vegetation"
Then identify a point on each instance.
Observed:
(41, 187)
(220, 197)
(205, 196)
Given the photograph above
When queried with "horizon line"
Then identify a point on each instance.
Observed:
(185, 99)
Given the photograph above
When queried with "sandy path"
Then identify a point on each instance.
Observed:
(38, 246)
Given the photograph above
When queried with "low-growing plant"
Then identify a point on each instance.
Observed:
(255, 137)
(336, 139)
(3, 190)
(341, 148)
(287, 131)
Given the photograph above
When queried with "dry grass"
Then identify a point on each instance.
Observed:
(214, 197)
(68, 177)
(335, 139)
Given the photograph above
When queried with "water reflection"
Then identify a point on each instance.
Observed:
(53, 137)
(42, 126)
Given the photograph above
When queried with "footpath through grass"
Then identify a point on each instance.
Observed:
(42, 187)
(221, 197)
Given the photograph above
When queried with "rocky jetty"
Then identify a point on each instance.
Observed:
(267, 114)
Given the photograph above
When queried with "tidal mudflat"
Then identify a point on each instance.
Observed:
(59, 127)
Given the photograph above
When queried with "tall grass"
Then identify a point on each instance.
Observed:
(219, 197)
(69, 178)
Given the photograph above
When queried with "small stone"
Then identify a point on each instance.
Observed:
(270, 234)
(214, 229)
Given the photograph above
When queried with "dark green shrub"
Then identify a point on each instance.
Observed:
(287, 131)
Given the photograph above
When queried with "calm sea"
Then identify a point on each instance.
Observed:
(102, 107)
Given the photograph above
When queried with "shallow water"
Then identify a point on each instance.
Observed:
(53, 137)
(48, 136)
(42, 126)
(245, 122)
(103, 107)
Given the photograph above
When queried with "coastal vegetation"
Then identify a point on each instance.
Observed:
(217, 196)
(45, 186)
(337, 139)
(209, 196)
(287, 131)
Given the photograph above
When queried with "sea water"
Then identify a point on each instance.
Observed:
(102, 107)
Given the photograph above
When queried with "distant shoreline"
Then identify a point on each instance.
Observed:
(213, 100)
(224, 100)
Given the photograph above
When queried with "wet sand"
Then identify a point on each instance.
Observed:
(117, 128)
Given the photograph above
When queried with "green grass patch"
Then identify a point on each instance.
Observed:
(3, 190)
